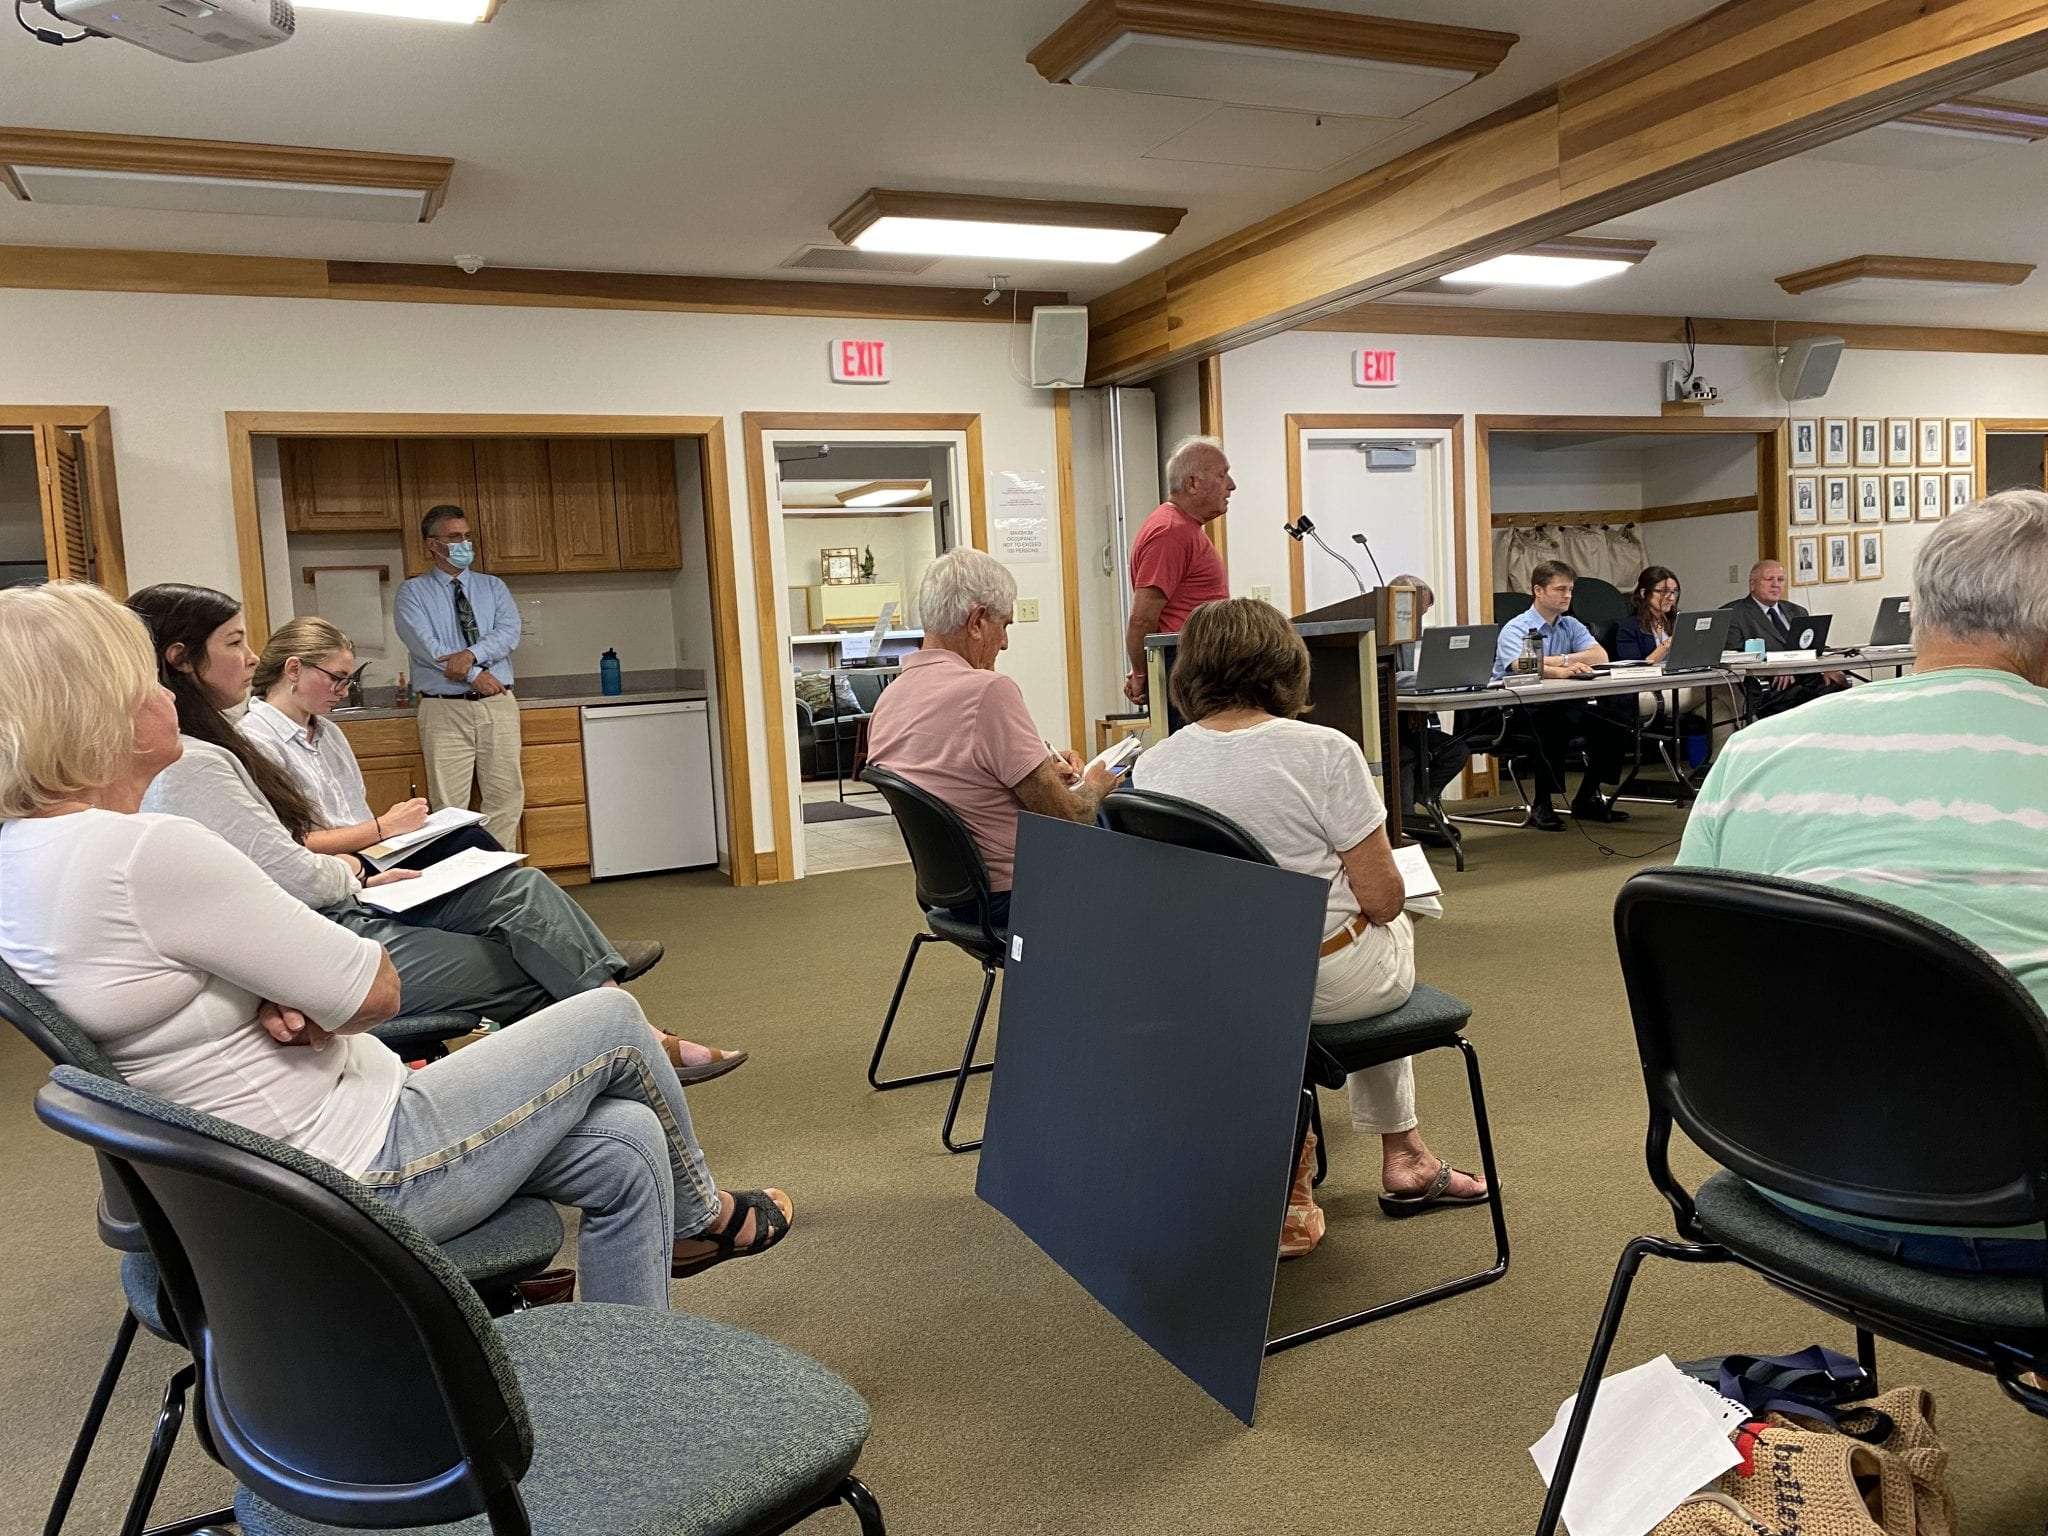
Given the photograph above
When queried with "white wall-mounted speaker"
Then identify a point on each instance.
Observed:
(1059, 346)
(1808, 367)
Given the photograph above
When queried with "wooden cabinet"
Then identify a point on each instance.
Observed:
(650, 532)
(586, 512)
(432, 472)
(515, 516)
(557, 839)
(339, 484)
(389, 781)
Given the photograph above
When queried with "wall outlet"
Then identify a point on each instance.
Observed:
(1262, 594)
(1027, 610)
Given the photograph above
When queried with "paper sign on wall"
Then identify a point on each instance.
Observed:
(1020, 522)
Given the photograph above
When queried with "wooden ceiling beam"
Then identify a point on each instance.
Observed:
(1750, 82)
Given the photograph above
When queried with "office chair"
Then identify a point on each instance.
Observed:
(515, 1244)
(1905, 1080)
(949, 873)
(1429, 1020)
(1598, 604)
(429, 1412)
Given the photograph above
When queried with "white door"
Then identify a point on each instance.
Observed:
(1404, 512)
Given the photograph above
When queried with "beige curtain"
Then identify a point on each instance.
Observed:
(1611, 551)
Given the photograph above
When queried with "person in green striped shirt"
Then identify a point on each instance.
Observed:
(1929, 792)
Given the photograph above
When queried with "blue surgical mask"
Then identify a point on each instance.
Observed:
(461, 554)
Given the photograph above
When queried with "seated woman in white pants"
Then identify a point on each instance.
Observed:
(1239, 678)
(207, 983)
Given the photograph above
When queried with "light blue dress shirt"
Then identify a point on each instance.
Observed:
(1561, 637)
(424, 614)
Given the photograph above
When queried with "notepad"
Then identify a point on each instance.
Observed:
(1117, 756)
(1418, 882)
(383, 855)
(451, 874)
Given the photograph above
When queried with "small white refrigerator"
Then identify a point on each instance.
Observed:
(647, 775)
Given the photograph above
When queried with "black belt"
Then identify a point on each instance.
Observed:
(470, 696)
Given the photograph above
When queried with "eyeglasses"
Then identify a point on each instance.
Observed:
(1664, 591)
(336, 679)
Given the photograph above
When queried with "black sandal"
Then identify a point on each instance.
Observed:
(770, 1226)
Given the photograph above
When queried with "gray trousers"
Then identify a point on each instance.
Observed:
(504, 946)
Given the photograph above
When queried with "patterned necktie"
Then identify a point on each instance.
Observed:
(465, 616)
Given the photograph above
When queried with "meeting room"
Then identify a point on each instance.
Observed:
(1089, 766)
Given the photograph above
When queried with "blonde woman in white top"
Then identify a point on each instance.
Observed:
(1240, 677)
(206, 983)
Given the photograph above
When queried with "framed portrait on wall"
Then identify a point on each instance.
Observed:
(1898, 498)
(1835, 556)
(1805, 501)
(1869, 443)
(1962, 441)
(1898, 442)
(1806, 560)
(1928, 504)
(1962, 490)
(1806, 443)
(1933, 439)
(1834, 441)
(1869, 498)
(1869, 554)
(1835, 498)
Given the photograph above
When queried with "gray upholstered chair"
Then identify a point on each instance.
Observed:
(560, 1419)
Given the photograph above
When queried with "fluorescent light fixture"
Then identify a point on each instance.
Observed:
(1873, 274)
(1566, 262)
(885, 493)
(1011, 229)
(418, 10)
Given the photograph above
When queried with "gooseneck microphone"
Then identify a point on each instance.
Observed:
(1360, 541)
(1301, 527)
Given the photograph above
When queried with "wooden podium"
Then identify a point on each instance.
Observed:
(1351, 680)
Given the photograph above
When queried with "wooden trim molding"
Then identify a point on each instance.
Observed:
(1669, 512)
(769, 610)
(884, 203)
(1741, 85)
(1299, 424)
(2024, 122)
(1209, 385)
(709, 431)
(1250, 24)
(95, 270)
(234, 161)
(1909, 269)
(1070, 568)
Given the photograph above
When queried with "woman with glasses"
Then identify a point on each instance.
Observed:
(1645, 635)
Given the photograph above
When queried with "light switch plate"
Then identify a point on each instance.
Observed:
(1027, 610)
(1262, 594)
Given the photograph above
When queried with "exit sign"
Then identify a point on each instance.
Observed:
(1373, 369)
(860, 362)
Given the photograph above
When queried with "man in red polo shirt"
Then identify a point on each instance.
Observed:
(1174, 567)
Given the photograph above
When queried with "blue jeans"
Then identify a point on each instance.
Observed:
(580, 1106)
(1935, 1250)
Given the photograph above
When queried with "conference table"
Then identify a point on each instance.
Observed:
(1631, 680)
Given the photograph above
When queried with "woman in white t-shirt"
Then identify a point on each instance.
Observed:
(1240, 677)
(205, 982)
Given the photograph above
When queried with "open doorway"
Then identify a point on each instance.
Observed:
(59, 517)
(861, 519)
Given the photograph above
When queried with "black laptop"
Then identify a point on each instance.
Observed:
(1697, 640)
(1894, 624)
(1455, 659)
(1811, 632)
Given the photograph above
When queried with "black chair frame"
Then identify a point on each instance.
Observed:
(1961, 971)
(1165, 818)
(950, 873)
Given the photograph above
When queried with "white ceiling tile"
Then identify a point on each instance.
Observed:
(1276, 141)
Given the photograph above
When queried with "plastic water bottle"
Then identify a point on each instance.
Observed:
(610, 680)
(1530, 662)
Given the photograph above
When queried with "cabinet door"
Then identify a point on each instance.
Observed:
(339, 484)
(555, 837)
(389, 780)
(586, 517)
(432, 472)
(650, 537)
(515, 523)
(553, 773)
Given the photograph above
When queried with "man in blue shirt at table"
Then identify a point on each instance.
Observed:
(461, 627)
(1569, 650)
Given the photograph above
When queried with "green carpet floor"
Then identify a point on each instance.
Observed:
(1006, 1401)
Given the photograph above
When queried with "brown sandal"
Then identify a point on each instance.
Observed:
(771, 1225)
(721, 1062)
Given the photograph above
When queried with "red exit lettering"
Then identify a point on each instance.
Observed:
(860, 362)
(1375, 368)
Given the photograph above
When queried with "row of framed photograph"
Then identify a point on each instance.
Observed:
(1888, 442)
(1857, 555)
(1879, 498)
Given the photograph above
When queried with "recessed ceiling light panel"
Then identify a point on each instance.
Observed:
(1009, 229)
(1568, 262)
(416, 10)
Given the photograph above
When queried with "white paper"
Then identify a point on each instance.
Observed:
(451, 874)
(437, 824)
(1020, 522)
(1653, 1442)
(1116, 754)
(1418, 881)
(353, 602)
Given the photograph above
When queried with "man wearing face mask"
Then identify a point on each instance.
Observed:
(461, 627)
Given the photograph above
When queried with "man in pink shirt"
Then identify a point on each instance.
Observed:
(1174, 567)
(958, 729)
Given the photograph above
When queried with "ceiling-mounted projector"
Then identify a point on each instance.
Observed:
(191, 31)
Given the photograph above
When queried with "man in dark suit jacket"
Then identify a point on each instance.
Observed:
(1765, 615)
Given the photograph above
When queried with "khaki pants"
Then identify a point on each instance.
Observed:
(476, 741)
